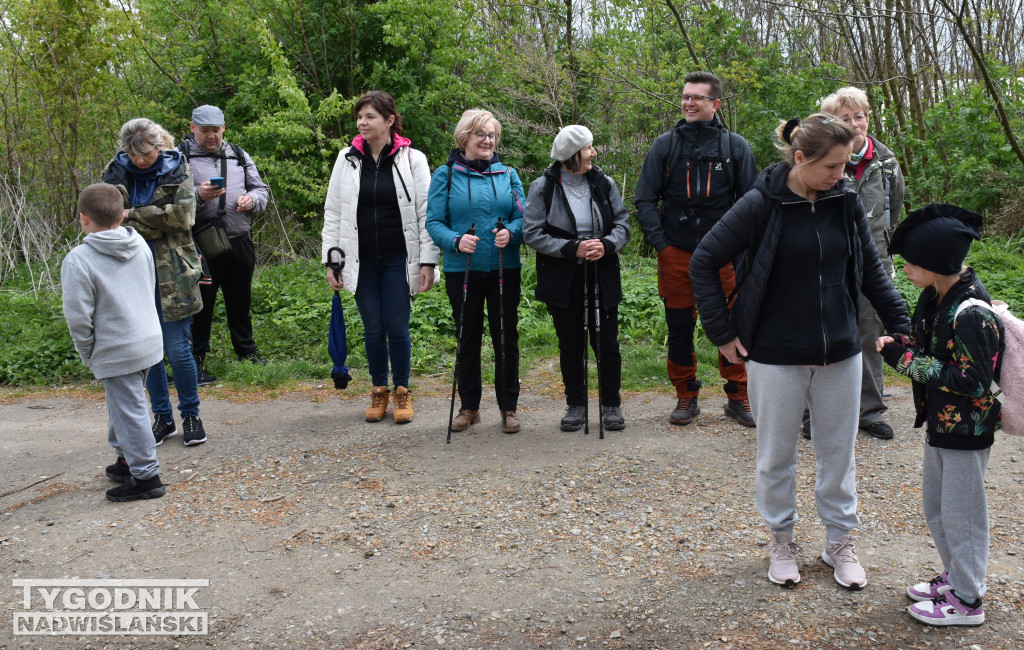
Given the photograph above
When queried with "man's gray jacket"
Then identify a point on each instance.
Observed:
(241, 177)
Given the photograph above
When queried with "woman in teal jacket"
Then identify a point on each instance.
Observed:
(476, 190)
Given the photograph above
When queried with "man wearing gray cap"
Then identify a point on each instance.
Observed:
(228, 190)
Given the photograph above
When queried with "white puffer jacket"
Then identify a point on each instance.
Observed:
(340, 212)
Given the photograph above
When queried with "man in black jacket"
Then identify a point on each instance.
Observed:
(692, 175)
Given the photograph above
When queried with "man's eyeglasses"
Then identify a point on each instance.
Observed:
(856, 117)
(687, 98)
(486, 136)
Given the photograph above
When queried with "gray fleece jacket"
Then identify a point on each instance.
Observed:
(107, 285)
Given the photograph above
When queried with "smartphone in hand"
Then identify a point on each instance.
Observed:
(218, 182)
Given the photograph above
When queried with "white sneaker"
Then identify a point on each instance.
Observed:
(782, 568)
(842, 557)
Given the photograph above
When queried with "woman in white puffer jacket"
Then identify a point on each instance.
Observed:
(376, 212)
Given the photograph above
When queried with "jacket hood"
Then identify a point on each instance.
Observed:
(167, 162)
(881, 152)
(397, 142)
(121, 243)
(772, 181)
(714, 122)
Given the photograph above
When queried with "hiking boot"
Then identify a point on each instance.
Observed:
(613, 420)
(134, 489)
(511, 422)
(465, 418)
(253, 357)
(842, 557)
(163, 429)
(879, 430)
(686, 410)
(934, 588)
(119, 471)
(739, 410)
(573, 418)
(195, 434)
(948, 609)
(782, 568)
(203, 377)
(403, 405)
(379, 399)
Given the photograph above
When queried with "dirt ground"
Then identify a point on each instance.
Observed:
(317, 529)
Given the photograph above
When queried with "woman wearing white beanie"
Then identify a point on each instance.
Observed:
(576, 221)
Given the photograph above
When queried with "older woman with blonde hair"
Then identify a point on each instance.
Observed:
(476, 191)
(158, 193)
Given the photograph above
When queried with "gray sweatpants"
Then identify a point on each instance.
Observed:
(129, 431)
(777, 397)
(953, 491)
(870, 327)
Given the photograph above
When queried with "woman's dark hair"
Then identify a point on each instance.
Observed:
(575, 162)
(384, 104)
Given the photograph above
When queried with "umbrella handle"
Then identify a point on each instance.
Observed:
(337, 267)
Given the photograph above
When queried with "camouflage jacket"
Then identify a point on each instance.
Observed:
(166, 224)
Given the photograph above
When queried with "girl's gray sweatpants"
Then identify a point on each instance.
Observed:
(129, 430)
(778, 395)
(953, 491)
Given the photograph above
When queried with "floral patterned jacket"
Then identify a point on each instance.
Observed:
(952, 368)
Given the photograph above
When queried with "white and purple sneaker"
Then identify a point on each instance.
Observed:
(931, 589)
(948, 610)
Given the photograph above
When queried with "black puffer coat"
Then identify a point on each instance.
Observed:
(750, 233)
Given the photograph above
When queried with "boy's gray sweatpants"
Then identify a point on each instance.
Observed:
(953, 491)
(778, 395)
(129, 431)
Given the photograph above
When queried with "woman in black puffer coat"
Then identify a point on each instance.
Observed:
(805, 255)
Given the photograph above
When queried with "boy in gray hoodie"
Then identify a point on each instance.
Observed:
(107, 285)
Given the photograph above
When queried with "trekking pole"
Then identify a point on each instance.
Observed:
(458, 338)
(586, 353)
(501, 329)
(597, 348)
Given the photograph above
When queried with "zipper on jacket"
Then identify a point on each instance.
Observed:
(376, 221)
(821, 293)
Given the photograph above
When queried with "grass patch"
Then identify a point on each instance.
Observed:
(291, 311)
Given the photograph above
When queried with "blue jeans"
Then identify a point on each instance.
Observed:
(178, 348)
(382, 295)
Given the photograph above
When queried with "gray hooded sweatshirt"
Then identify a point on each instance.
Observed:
(107, 284)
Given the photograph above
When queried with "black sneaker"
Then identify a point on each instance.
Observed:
(163, 429)
(204, 378)
(119, 470)
(686, 410)
(613, 420)
(253, 357)
(805, 429)
(573, 419)
(879, 430)
(194, 432)
(739, 410)
(134, 489)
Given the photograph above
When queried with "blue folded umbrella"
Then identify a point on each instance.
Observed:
(337, 344)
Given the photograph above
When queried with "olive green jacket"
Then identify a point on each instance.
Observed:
(166, 223)
(880, 189)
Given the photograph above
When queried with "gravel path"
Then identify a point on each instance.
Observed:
(317, 529)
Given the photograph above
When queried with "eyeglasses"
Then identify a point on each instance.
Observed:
(687, 98)
(486, 136)
(856, 117)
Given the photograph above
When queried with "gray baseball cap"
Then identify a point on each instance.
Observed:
(207, 115)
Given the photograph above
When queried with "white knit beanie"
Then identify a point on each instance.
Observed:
(569, 140)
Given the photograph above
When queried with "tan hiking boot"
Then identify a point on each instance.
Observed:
(511, 422)
(465, 418)
(403, 405)
(378, 404)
